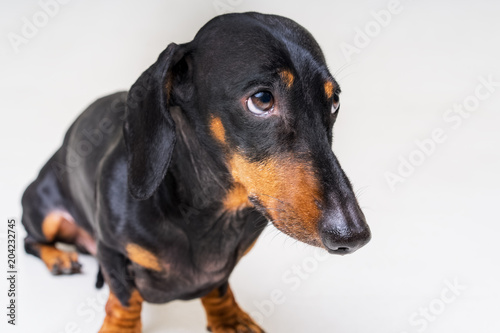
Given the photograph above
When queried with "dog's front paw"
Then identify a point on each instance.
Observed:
(120, 318)
(240, 322)
(59, 262)
(116, 327)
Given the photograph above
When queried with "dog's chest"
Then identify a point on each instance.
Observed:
(181, 279)
(191, 263)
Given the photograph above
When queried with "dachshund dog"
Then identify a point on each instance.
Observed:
(169, 184)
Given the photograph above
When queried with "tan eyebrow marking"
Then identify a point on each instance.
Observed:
(218, 130)
(287, 77)
(328, 86)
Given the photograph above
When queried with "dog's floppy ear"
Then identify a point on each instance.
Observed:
(149, 130)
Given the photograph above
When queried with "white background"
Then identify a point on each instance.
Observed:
(438, 227)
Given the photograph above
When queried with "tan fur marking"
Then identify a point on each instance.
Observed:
(224, 315)
(218, 130)
(328, 89)
(50, 226)
(55, 259)
(287, 188)
(60, 226)
(287, 77)
(123, 319)
(143, 257)
(236, 198)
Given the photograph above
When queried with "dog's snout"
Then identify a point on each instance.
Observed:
(344, 233)
(341, 241)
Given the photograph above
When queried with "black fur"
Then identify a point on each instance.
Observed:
(150, 172)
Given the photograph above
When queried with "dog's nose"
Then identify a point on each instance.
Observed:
(344, 233)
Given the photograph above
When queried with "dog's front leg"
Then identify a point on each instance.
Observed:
(224, 314)
(123, 318)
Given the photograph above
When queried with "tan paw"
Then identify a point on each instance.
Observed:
(239, 323)
(120, 326)
(123, 319)
(59, 262)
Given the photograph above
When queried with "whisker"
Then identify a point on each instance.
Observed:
(276, 209)
(341, 72)
(281, 201)
(267, 195)
(341, 68)
(360, 191)
(276, 234)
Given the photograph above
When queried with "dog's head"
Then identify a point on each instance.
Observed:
(257, 86)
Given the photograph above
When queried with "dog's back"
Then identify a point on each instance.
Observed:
(70, 176)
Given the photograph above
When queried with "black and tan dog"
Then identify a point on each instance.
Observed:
(170, 184)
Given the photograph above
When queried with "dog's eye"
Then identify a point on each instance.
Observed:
(260, 103)
(336, 103)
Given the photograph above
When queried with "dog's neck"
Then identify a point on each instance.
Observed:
(200, 180)
(194, 189)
